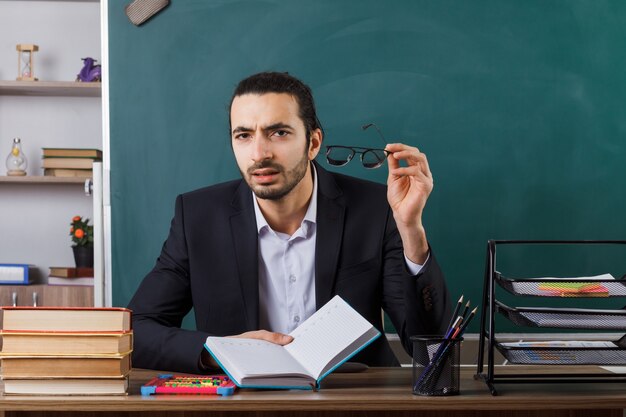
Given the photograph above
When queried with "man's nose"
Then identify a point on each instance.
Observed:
(261, 148)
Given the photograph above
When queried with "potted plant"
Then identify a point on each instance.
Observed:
(82, 242)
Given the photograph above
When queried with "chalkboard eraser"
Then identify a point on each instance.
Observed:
(139, 11)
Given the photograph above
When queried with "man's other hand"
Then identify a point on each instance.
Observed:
(408, 189)
(277, 338)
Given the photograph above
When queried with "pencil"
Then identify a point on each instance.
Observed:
(454, 314)
(465, 311)
(469, 318)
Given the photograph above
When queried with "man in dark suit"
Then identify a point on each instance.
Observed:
(255, 257)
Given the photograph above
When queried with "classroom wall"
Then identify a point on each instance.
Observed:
(519, 106)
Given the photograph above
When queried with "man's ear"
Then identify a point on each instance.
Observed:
(315, 144)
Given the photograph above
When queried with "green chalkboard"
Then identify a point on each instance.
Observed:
(519, 105)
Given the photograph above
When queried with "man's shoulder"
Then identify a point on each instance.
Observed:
(216, 193)
(359, 186)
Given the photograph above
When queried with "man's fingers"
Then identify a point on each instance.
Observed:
(414, 160)
(412, 171)
(392, 161)
(410, 154)
(277, 338)
(412, 157)
(397, 147)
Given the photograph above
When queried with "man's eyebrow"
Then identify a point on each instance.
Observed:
(279, 125)
(240, 129)
(273, 126)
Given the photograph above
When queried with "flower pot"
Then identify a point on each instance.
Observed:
(83, 256)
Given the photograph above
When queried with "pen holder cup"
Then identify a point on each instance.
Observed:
(436, 365)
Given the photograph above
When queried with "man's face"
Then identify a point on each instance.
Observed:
(269, 142)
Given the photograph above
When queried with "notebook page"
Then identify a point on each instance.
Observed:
(253, 357)
(325, 334)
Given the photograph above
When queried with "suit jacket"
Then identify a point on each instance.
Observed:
(209, 262)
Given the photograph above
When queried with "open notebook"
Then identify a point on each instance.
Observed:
(328, 338)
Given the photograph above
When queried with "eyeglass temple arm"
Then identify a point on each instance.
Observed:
(382, 137)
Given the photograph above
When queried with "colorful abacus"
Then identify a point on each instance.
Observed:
(198, 384)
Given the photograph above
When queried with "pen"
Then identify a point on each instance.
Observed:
(455, 325)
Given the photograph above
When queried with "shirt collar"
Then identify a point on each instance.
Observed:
(309, 217)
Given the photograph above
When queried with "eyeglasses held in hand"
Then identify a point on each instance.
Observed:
(340, 155)
(371, 158)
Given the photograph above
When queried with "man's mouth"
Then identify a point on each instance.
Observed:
(264, 175)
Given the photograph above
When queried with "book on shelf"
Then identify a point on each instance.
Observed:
(42, 343)
(55, 366)
(76, 282)
(83, 386)
(62, 172)
(328, 338)
(14, 274)
(70, 272)
(72, 153)
(73, 163)
(66, 319)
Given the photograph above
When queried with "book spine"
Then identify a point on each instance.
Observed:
(14, 274)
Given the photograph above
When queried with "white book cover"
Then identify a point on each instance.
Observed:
(328, 338)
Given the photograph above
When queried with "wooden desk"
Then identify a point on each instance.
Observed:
(376, 392)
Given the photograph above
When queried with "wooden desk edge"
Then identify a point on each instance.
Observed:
(382, 389)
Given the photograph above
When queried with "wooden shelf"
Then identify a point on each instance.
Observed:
(47, 295)
(50, 88)
(33, 179)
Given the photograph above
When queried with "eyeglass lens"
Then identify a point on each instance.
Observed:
(340, 156)
(373, 158)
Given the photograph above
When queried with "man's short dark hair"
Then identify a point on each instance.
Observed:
(282, 82)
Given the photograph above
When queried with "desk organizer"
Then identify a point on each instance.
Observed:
(577, 353)
(531, 287)
(564, 318)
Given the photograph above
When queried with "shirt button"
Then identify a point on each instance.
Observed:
(296, 319)
(292, 278)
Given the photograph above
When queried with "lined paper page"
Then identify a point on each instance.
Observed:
(252, 357)
(325, 334)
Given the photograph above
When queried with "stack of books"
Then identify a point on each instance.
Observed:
(70, 162)
(66, 351)
(66, 275)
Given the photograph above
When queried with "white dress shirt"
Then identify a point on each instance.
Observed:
(287, 270)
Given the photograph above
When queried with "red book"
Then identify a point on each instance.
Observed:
(70, 272)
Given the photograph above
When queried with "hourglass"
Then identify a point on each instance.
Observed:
(25, 61)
